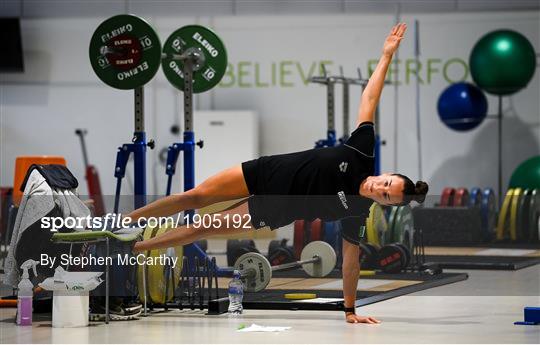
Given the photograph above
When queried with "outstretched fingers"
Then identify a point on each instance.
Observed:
(402, 27)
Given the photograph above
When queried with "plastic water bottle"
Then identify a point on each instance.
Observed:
(236, 294)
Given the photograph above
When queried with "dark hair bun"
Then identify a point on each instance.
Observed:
(420, 190)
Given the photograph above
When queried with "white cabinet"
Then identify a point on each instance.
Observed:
(230, 138)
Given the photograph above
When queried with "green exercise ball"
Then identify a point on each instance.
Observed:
(527, 174)
(502, 62)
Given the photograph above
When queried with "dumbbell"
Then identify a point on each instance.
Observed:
(279, 253)
(317, 259)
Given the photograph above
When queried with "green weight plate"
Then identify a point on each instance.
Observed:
(523, 216)
(534, 215)
(391, 221)
(404, 227)
(125, 52)
(208, 69)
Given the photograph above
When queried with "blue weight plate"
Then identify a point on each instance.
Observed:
(489, 214)
(475, 198)
(331, 233)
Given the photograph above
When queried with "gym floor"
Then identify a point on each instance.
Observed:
(481, 309)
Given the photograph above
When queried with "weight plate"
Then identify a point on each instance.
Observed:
(274, 245)
(316, 230)
(125, 52)
(331, 233)
(327, 260)
(461, 197)
(502, 223)
(159, 279)
(208, 69)
(522, 221)
(300, 295)
(147, 234)
(516, 198)
(367, 273)
(299, 236)
(232, 244)
(391, 221)
(376, 225)
(281, 255)
(407, 253)
(534, 215)
(475, 198)
(391, 259)
(489, 214)
(256, 270)
(447, 197)
(368, 255)
(404, 227)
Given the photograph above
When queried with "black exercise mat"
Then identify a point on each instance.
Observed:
(477, 262)
(274, 299)
(493, 245)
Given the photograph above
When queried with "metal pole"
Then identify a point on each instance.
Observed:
(418, 128)
(139, 150)
(139, 109)
(500, 177)
(316, 258)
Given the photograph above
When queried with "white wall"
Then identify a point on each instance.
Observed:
(59, 92)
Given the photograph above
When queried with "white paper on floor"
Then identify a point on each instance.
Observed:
(258, 328)
(505, 252)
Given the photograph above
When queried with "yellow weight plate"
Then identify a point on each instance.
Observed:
(367, 273)
(156, 279)
(376, 225)
(501, 223)
(300, 295)
(517, 195)
(148, 234)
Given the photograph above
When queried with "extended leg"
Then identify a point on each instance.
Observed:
(226, 185)
(231, 221)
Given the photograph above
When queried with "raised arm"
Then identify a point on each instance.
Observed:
(372, 92)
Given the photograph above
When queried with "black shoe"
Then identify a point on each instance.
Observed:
(116, 313)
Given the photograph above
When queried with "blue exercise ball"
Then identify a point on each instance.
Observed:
(462, 106)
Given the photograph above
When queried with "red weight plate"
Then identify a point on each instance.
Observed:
(461, 197)
(316, 230)
(299, 237)
(447, 197)
(124, 52)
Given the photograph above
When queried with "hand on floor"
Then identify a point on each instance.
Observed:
(353, 318)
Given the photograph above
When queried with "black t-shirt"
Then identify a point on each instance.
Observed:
(319, 183)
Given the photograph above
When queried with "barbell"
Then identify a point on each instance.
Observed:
(125, 53)
(318, 259)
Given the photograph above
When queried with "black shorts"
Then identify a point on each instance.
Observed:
(250, 169)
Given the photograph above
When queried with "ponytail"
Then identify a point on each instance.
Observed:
(413, 191)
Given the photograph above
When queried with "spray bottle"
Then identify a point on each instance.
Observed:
(25, 294)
